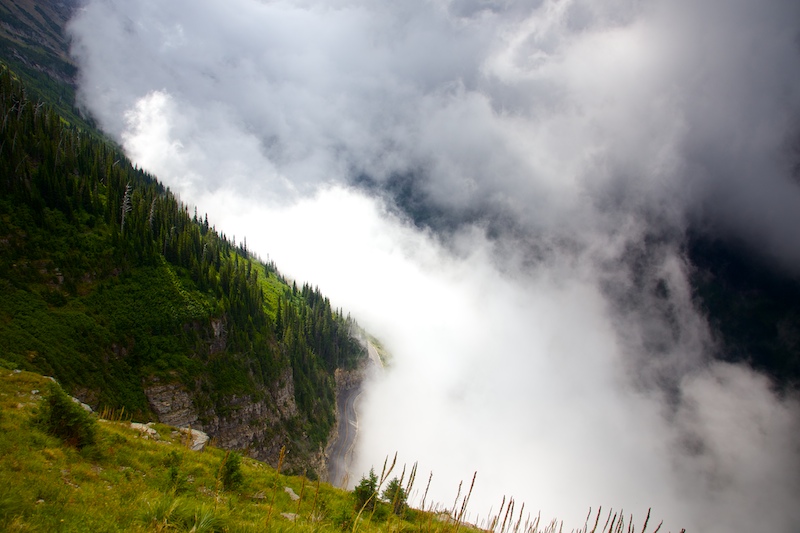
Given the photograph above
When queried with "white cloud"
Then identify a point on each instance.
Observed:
(523, 349)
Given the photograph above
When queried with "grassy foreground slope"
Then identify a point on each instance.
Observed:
(110, 285)
(129, 480)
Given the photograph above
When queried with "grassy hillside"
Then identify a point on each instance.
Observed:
(110, 284)
(126, 478)
(129, 480)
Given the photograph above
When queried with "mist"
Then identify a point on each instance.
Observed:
(499, 192)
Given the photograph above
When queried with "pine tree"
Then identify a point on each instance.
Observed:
(366, 492)
(395, 494)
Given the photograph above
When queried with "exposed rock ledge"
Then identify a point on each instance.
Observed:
(248, 424)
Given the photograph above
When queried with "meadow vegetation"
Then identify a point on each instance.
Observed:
(126, 479)
(123, 479)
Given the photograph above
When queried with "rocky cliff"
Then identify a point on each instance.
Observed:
(254, 423)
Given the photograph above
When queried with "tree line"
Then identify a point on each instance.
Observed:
(82, 229)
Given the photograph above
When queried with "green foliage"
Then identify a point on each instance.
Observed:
(170, 513)
(343, 517)
(176, 478)
(106, 305)
(230, 470)
(67, 420)
(46, 485)
(366, 492)
(396, 496)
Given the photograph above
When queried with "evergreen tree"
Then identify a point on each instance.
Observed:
(366, 492)
(395, 494)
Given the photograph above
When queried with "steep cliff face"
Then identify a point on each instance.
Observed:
(256, 423)
(172, 404)
(259, 423)
(338, 456)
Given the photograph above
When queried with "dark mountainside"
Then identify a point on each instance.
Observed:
(32, 43)
(752, 306)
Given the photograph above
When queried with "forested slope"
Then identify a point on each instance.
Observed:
(110, 285)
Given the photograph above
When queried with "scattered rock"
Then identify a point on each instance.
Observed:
(146, 430)
(17, 371)
(199, 438)
(86, 407)
(35, 391)
(259, 495)
(289, 516)
(292, 494)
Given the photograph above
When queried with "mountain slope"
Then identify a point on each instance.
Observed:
(34, 44)
(147, 479)
(111, 286)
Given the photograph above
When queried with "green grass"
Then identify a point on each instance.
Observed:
(127, 482)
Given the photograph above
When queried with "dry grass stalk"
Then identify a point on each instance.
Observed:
(455, 503)
(493, 522)
(218, 483)
(607, 520)
(586, 522)
(519, 522)
(316, 497)
(538, 519)
(612, 523)
(646, 520)
(385, 473)
(428, 486)
(597, 519)
(466, 502)
(621, 522)
(431, 512)
(112, 415)
(275, 488)
(505, 517)
(302, 491)
(411, 478)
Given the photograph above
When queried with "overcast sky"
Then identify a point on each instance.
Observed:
(498, 191)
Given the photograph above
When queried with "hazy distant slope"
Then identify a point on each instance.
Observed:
(753, 307)
(33, 43)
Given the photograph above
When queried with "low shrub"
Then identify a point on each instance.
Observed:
(231, 471)
(63, 418)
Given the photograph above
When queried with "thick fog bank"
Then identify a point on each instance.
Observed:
(499, 191)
